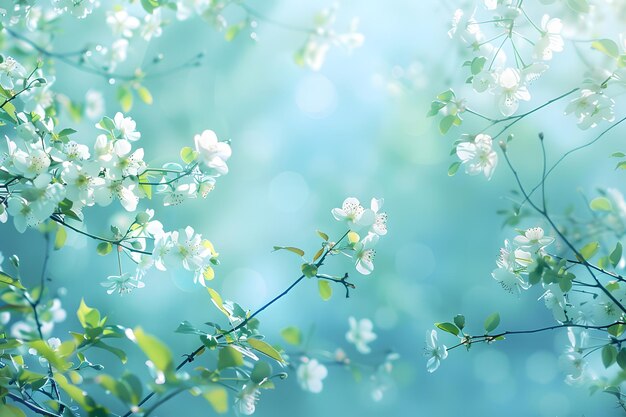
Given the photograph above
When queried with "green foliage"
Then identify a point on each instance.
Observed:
(492, 322)
(325, 290)
(292, 335)
(448, 327)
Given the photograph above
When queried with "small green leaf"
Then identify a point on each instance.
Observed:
(260, 372)
(297, 251)
(188, 155)
(606, 46)
(459, 320)
(323, 235)
(446, 123)
(448, 327)
(266, 349)
(187, 328)
(125, 97)
(309, 270)
(609, 355)
(155, 350)
(232, 32)
(8, 280)
(60, 238)
(324, 289)
(218, 398)
(87, 316)
(229, 357)
(600, 204)
(492, 322)
(292, 335)
(144, 94)
(454, 167)
(217, 301)
(621, 358)
(104, 248)
(616, 255)
(589, 250)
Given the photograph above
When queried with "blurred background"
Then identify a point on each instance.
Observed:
(302, 142)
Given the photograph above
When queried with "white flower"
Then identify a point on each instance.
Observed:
(125, 128)
(483, 81)
(94, 104)
(533, 239)
(10, 72)
(32, 163)
(360, 334)
(478, 156)
(573, 361)
(186, 8)
(591, 107)
(178, 192)
(212, 154)
(79, 9)
(511, 89)
(508, 271)
(310, 375)
(555, 301)
(152, 25)
(380, 223)
(365, 254)
(434, 351)
(465, 28)
(353, 213)
(106, 190)
(122, 284)
(246, 399)
(551, 40)
(121, 23)
(22, 213)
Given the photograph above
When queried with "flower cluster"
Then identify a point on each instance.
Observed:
(313, 53)
(372, 220)
(516, 258)
(47, 175)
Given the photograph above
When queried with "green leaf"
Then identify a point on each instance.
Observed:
(621, 358)
(459, 320)
(606, 46)
(9, 410)
(187, 328)
(262, 370)
(454, 167)
(266, 349)
(600, 204)
(217, 301)
(324, 289)
(66, 132)
(149, 5)
(209, 341)
(292, 335)
(609, 355)
(618, 154)
(309, 270)
(218, 398)
(297, 251)
(589, 250)
(155, 350)
(229, 357)
(107, 124)
(51, 356)
(446, 96)
(117, 352)
(477, 64)
(8, 280)
(448, 327)
(492, 322)
(616, 255)
(104, 248)
(323, 235)
(188, 155)
(87, 316)
(446, 123)
(60, 238)
(616, 330)
(144, 94)
(125, 97)
(232, 32)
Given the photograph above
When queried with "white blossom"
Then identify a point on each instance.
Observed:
(361, 334)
